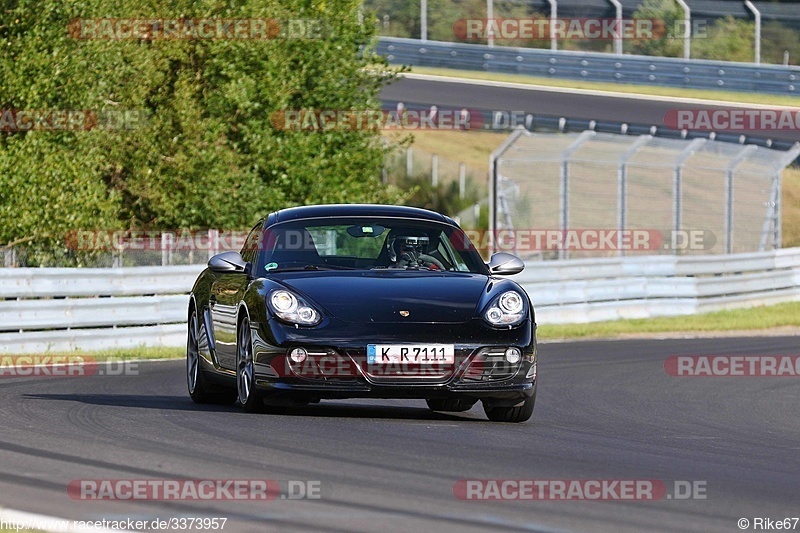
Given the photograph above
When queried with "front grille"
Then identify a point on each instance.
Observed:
(488, 365)
(408, 373)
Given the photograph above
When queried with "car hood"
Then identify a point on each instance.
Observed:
(380, 296)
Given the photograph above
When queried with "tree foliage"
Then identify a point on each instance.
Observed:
(402, 18)
(666, 42)
(207, 155)
(728, 39)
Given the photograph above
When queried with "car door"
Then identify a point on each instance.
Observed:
(227, 290)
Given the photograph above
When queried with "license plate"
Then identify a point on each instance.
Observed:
(410, 353)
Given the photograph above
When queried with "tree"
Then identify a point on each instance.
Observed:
(668, 16)
(728, 39)
(209, 153)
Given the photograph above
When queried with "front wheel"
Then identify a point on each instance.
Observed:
(199, 390)
(248, 396)
(519, 413)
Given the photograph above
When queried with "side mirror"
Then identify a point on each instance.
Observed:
(227, 263)
(503, 264)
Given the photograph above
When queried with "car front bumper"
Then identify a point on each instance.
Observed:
(337, 367)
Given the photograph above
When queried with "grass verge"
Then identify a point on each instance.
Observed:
(702, 94)
(785, 316)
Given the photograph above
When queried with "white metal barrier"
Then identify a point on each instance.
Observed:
(64, 309)
(588, 290)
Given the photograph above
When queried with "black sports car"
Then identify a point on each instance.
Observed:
(362, 301)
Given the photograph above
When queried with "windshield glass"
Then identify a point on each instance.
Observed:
(365, 244)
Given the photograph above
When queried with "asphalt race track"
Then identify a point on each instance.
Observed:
(631, 109)
(606, 410)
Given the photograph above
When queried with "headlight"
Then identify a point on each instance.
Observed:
(293, 309)
(511, 302)
(507, 309)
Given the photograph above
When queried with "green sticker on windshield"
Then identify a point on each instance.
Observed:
(270, 266)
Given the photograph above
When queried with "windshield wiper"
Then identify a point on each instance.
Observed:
(311, 267)
(329, 267)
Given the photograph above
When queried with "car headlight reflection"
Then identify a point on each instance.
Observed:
(506, 310)
(292, 308)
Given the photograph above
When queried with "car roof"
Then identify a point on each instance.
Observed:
(346, 210)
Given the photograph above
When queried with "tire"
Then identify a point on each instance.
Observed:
(451, 405)
(511, 414)
(199, 391)
(247, 395)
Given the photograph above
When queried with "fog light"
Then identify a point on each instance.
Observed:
(513, 355)
(298, 355)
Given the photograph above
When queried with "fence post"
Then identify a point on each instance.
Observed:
(213, 242)
(553, 21)
(677, 186)
(409, 162)
(622, 185)
(493, 175)
(435, 170)
(462, 180)
(687, 30)
(729, 172)
(757, 37)
(618, 33)
(423, 20)
(166, 248)
(564, 187)
(771, 218)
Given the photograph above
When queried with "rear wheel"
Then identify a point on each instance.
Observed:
(519, 413)
(452, 405)
(249, 398)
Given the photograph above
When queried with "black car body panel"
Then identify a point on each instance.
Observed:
(360, 306)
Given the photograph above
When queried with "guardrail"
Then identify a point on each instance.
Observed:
(593, 66)
(589, 290)
(63, 309)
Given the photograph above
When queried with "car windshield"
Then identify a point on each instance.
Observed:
(359, 243)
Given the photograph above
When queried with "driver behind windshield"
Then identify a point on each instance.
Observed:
(410, 252)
